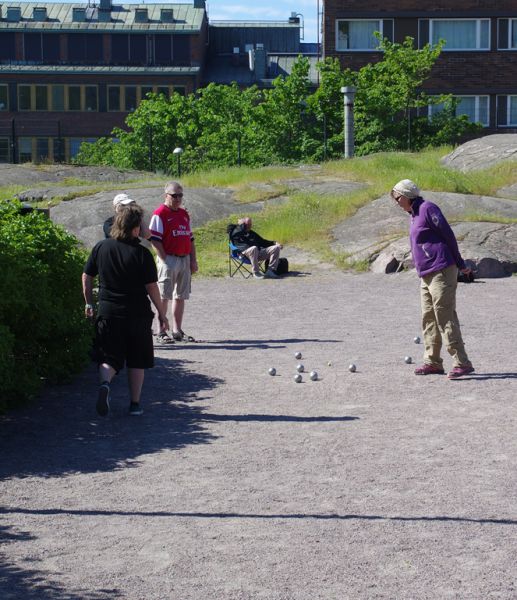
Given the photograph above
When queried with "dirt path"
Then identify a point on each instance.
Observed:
(235, 485)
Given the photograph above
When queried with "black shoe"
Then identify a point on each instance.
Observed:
(181, 336)
(103, 404)
(135, 410)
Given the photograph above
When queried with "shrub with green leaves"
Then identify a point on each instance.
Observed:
(44, 336)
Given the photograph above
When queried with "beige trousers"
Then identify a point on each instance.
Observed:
(439, 318)
(255, 255)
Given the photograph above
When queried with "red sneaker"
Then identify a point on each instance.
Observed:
(460, 371)
(429, 370)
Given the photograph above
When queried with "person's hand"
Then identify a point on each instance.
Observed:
(164, 323)
(88, 311)
(193, 265)
(466, 271)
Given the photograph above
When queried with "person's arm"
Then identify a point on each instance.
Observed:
(88, 295)
(154, 294)
(260, 242)
(439, 223)
(158, 246)
(193, 257)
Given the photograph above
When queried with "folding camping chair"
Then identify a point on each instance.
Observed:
(238, 263)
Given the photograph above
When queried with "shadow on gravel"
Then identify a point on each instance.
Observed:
(31, 584)
(245, 344)
(63, 434)
(273, 418)
(232, 515)
(486, 376)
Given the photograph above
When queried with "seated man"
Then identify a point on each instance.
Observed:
(255, 248)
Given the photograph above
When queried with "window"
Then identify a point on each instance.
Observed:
(75, 145)
(475, 107)
(130, 100)
(507, 111)
(163, 90)
(512, 110)
(461, 34)
(4, 97)
(507, 34)
(24, 149)
(7, 46)
(138, 49)
(58, 97)
(5, 155)
(120, 48)
(74, 97)
(162, 49)
(42, 146)
(41, 97)
(359, 34)
(90, 97)
(113, 97)
(181, 50)
(50, 45)
(180, 90)
(144, 90)
(24, 97)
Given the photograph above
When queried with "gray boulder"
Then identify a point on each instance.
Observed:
(378, 232)
(482, 153)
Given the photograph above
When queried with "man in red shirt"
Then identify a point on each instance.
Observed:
(173, 241)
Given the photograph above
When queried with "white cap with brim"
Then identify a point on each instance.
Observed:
(407, 188)
(122, 199)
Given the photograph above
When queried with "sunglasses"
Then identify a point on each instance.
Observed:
(180, 195)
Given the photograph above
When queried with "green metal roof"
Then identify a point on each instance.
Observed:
(187, 19)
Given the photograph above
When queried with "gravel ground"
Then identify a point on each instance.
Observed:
(235, 485)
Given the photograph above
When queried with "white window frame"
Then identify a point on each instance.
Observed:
(511, 23)
(478, 36)
(508, 112)
(380, 30)
(476, 108)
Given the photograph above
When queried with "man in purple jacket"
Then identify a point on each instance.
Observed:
(437, 259)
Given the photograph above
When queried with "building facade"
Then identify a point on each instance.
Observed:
(73, 72)
(478, 64)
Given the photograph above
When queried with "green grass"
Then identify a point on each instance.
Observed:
(307, 220)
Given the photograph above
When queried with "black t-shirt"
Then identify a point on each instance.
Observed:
(124, 269)
(107, 227)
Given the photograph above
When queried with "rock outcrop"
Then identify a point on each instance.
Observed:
(482, 153)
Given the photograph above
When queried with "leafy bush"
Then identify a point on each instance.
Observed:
(43, 334)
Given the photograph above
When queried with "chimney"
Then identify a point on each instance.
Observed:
(105, 4)
(200, 4)
(260, 62)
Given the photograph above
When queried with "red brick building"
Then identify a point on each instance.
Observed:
(70, 72)
(479, 60)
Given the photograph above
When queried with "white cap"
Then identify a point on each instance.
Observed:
(122, 199)
(407, 188)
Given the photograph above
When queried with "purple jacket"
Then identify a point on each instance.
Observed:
(433, 243)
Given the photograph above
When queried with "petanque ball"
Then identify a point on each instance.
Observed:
(314, 376)
(416, 340)
(272, 371)
(352, 368)
(300, 368)
(298, 355)
(298, 378)
(408, 360)
(329, 363)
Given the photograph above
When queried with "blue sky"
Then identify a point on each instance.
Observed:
(267, 10)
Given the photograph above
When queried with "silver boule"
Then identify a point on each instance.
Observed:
(408, 360)
(272, 371)
(352, 368)
(298, 378)
(314, 376)
(329, 363)
(297, 355)
(416, 340)
(300, 368)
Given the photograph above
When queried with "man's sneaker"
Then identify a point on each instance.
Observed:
(429, 370)
(460, 371)
(135, 410)
(270, 274)
(258, 275)
(103, 403)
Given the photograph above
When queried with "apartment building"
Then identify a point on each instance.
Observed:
(478, 64)
(72, 72)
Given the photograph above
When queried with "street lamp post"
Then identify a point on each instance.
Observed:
(348, 97)
(178, 152)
